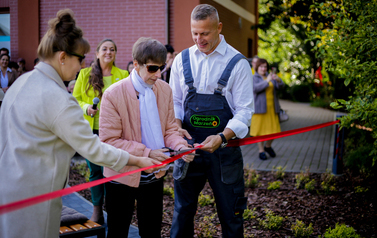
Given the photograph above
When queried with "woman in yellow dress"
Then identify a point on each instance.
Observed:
(265, 119)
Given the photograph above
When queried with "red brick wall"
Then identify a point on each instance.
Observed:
(4, 3)
(28, 30)
(13, 26)
(171, 22)
(235, 35)
(13, 29)
(124, 21)
(182, 28)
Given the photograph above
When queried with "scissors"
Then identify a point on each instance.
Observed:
(177, 152)
(173, 153)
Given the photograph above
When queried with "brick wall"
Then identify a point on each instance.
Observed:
(13, 29)
(171, 22)
(182, 30)
(13, 25)
(235, 35)
(124, 21)
(4, 3)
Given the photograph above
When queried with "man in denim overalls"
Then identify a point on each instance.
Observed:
(213, 103)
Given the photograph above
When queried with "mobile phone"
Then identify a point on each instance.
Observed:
(273, 70)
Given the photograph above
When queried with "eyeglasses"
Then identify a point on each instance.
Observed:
(81, 57)
(154, 68)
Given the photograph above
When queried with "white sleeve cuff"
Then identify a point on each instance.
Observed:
(239, 128)
(179, 113)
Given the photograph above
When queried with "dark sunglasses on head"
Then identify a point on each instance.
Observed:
(81, 57)
(154, 68)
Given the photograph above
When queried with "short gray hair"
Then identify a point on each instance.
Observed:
(148, 49)
(203, 11)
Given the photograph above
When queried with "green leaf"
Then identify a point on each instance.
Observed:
(347, 81)
(335, 105)
(342, 101)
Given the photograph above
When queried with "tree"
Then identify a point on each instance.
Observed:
(350, 49)
(283, 32)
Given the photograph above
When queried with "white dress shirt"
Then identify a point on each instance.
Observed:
(206, 71)
(4, 79)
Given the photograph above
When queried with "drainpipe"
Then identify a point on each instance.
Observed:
(167, 21)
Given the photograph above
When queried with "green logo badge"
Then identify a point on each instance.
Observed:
(205, 121)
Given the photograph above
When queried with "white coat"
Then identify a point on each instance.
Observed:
(41, 127)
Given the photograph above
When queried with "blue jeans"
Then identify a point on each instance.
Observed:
(224, 171)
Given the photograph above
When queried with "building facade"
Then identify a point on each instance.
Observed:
(125, 21)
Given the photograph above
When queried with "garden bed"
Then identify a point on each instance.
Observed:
(353, 202)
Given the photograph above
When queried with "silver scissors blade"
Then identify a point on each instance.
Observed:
(183, 151)
(177, 152)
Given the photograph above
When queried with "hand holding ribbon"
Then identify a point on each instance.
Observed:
(44, 197)
(59, 193)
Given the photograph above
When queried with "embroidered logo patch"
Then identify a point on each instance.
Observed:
(205, 121)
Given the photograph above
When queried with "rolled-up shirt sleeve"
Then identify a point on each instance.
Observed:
(175, 84)
(239, 94)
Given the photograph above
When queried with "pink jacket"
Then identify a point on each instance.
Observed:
(120, 123)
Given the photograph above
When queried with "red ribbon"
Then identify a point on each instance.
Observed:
(62, 192)
(252, 140)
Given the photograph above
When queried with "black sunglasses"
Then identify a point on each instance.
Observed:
(154, 68)
(81, 57)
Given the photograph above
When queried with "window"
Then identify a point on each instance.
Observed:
(5, 30)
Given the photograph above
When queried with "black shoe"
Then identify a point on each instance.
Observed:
(101, 221)
(270, 151)
(262, 156)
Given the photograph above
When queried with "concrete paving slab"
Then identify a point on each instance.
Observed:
(311, 150)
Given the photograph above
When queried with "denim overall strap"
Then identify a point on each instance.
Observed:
(205, 115)
(187, 70)
(223, 81)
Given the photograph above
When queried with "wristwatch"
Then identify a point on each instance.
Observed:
(225, 142)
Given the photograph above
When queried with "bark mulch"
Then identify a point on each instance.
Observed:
(352, 203)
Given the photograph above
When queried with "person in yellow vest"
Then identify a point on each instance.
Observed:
(91, 83)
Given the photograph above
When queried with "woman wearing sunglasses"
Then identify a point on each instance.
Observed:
(41, 127)
(91, 83)
(137, 115)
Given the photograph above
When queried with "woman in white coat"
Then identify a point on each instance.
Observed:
(41, 127)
